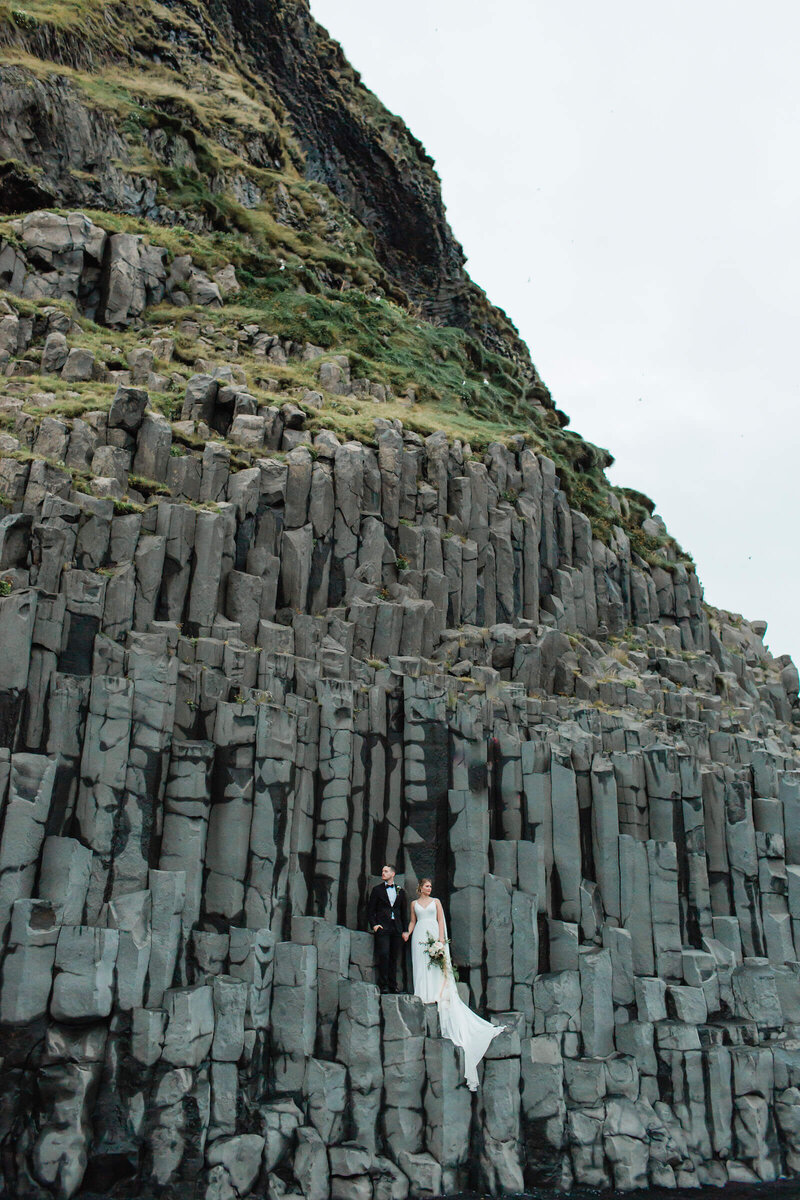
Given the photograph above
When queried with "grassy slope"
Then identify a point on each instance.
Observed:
(308, 267)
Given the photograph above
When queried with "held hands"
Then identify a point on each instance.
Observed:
(406, 935)
(376, 928)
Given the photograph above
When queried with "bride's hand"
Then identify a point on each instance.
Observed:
(406, 936)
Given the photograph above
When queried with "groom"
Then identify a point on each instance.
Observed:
(387, 914)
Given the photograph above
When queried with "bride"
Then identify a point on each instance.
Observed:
(458, 1022)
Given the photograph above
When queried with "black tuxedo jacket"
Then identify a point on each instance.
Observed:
(379, 910)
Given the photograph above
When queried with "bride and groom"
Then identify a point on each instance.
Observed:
(432, 969)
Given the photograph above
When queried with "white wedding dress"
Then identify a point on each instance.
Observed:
(457, 1020)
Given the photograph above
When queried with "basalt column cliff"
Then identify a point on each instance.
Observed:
(302, 571)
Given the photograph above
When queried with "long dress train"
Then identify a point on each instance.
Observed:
(457, 1020)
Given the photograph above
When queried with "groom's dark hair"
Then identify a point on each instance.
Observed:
(391, 867)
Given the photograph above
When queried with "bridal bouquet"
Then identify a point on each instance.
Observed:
(436, 953)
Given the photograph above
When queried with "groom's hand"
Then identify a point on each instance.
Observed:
(406, 936)
(375, 928)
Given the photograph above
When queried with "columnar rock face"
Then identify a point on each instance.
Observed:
(222, 711)
(246, 660)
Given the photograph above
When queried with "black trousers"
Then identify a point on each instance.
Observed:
(387, 955)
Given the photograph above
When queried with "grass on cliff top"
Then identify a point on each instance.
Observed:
(386, 342)
(353, 419)
(98, 27)
(579, 464)
(328, 249)
(459, 386)
(315, 279)
(63, 14)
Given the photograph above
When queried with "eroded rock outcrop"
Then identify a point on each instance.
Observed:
(111, 277)
(246, 98)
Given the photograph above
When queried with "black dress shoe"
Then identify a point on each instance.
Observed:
(396, 991)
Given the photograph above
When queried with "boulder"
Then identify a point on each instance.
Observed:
(127, 409)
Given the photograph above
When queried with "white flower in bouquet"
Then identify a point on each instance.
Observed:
(436, 952)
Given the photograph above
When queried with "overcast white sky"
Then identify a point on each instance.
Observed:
(624, 179)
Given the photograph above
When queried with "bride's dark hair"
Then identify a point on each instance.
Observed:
(424, 879)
